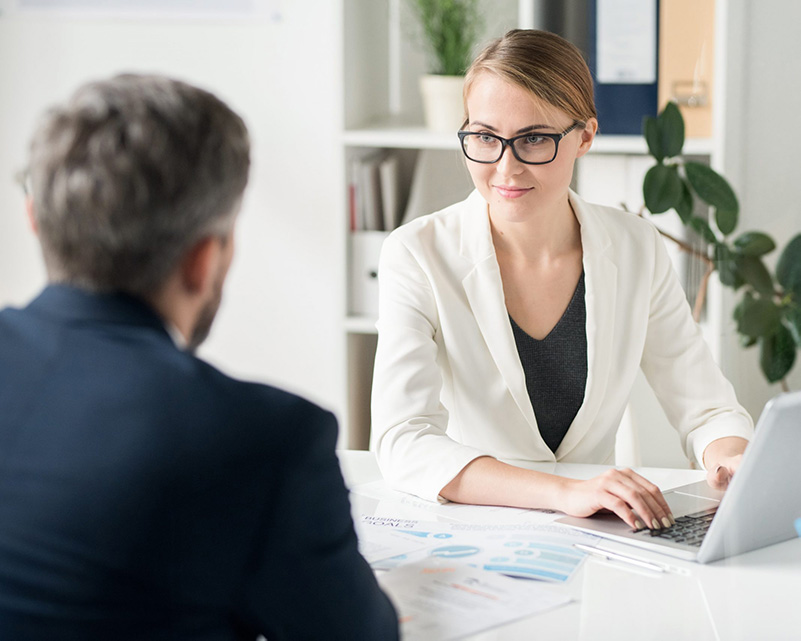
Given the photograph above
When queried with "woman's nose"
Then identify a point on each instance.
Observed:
(508, 165)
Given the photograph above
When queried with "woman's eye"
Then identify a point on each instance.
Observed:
(534, 140)
(486, 140)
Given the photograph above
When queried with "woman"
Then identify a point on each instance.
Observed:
(512, 325)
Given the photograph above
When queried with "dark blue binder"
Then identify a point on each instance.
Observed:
(621, 107)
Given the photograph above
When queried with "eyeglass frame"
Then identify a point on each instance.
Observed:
(23, 179)
(509, 142)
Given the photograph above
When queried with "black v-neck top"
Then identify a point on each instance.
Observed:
(556, 369)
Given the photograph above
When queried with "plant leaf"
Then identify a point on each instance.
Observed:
(788, 269)
(685, 206)
(754, 243)
(703, 229)
(757, 317)
(792, 315)
(726, 221)
(450, 29)
(755, 273)
(715, 190)
(653, 136)
(747, 341)
(662, 188)
(671, 125)
(747, 300)
(728, 271)
(777, 354)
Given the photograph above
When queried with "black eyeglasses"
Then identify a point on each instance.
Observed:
(530, 149)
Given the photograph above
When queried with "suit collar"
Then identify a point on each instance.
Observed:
(71, 304)
(484, 289)
(475, 243)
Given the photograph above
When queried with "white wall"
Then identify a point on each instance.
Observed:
(280, 317)
(760, 154)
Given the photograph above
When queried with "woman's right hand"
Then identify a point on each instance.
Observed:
(633, 498)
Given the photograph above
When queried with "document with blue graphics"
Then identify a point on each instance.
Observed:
(439, 599)
(523, 550)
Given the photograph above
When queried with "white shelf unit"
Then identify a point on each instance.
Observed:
(391, 134)
(382, 110)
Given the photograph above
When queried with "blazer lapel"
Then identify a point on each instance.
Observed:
(600, 279)
(484, 290)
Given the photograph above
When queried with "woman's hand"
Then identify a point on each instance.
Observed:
(720, 476)
(634, 499)
(721, 460)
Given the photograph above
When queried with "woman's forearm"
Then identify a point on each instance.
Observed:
(487, 481)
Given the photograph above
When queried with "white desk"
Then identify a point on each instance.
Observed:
(752, 597)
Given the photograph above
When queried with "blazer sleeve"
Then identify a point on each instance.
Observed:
(307, 580)
(698, 400)
(409, 421)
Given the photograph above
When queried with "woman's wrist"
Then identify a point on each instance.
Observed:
(561, 490)
(721, 450)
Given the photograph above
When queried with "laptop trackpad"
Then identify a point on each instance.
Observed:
(689, 499)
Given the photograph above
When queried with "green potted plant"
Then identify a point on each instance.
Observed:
(449, 30)
(768, 312)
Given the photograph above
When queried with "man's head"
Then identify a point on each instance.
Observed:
(129, 175)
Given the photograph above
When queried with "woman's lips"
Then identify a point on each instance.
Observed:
(511, 192)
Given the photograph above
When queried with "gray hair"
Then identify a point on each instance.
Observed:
(128, 175)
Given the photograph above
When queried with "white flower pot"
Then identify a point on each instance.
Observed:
(442, 102)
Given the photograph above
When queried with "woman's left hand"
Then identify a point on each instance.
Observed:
(721, 459)
(720, 476)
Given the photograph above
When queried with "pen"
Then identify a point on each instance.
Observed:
(614, 556)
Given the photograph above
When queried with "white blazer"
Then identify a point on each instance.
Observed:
(448, 385)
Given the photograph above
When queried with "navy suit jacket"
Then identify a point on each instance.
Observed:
(145, 495)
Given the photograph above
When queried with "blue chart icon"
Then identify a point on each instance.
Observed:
(455, 551)
(424, 535)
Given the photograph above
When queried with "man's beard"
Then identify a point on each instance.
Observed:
(206, 316)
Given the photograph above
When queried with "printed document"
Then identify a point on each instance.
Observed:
(437, 599)
(542, 552)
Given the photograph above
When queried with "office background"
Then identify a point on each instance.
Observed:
(281, 319)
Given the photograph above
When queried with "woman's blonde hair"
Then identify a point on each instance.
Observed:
(547, 65)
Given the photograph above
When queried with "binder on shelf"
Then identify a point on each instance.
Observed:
(373, 214)
(355, 195)
(389, 175)
(374, 191)
(686, 61)
(622, 53)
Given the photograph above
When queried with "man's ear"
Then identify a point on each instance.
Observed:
(31, 215)
(199, 264)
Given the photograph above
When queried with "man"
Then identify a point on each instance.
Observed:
(143, 494)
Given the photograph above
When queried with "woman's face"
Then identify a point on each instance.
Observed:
(514, 190)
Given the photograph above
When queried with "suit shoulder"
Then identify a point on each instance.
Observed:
(435, 226)
(262, 404)
(624, 226)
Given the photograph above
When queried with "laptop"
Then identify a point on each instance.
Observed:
(759, 508)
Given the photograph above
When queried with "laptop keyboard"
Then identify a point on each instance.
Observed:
(689, 530)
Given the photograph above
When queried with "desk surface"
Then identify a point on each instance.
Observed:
(748, 597)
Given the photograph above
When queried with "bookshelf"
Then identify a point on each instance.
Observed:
(382, 110)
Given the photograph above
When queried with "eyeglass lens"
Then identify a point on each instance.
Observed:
(533, 148)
